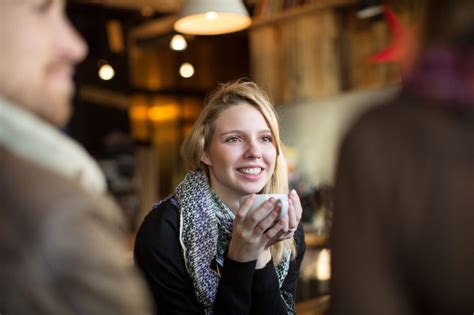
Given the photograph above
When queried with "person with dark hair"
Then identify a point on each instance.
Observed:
(404, 201)
(201, 250)
(62, 247)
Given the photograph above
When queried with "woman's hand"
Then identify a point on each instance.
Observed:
(251, 233)
(290, 222)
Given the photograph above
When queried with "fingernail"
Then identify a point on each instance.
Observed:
(270, 202)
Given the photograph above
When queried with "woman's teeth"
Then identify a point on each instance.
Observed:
(251, 171)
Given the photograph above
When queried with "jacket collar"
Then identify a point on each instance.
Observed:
(31, 138)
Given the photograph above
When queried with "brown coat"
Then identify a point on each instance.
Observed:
(60, 248)
(404, 216)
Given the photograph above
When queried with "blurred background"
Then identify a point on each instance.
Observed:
(323, 62)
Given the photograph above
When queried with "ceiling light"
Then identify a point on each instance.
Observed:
(369, 8)
(178, 42)
(186, 70)
(106, 72)
(212, 17)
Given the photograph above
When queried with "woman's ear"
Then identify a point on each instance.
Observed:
(205, 159)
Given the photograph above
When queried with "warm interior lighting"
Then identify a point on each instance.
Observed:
(178, 42)
(212, 17)
(186, 70)
(115, 36)
(106, 72)
(323, 265)
(163, 113)
(138, 114)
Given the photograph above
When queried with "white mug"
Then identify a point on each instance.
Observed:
(261, 198)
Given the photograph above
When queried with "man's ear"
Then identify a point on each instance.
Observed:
(205, 159)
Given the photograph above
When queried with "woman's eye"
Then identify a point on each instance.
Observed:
(232, 139)
(267, 139)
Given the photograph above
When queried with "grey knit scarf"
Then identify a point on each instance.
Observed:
(205, 233)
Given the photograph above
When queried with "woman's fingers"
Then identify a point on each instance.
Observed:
(256, 230)
(296, 210)
(241, 213)
(249, 236)
(249, 226)
(292, 223)
(258, 216)
(273, 233)
(264, 224)
(279, 236)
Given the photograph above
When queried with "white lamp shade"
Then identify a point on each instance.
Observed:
(212, 17)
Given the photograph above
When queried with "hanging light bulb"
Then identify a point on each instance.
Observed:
(212, 17)
(186, 70)
(369, 8)
(178, 43)
(106, 72)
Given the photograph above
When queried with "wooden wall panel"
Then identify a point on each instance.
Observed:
(287, 77)
(362, 39)
(319, 51)
(317, 54)
(297, 59)
(264, 59)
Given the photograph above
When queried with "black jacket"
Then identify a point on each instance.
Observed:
(242, 289)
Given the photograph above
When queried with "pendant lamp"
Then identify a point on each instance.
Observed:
(369, 8)
(212, 17)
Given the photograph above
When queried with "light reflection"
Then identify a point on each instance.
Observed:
(323, 265)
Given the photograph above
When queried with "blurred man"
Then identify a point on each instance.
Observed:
(61, 241)
(404, 210)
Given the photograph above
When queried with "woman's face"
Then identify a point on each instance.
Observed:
(241, 156)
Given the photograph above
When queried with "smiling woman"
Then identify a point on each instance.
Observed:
(241, 156)
(200, 251)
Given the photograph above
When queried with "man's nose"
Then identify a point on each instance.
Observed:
(71, 45)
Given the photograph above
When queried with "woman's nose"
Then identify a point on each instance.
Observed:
(253, 152)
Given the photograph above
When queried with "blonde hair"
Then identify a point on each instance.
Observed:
(198, 140)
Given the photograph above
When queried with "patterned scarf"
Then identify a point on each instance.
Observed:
(205, 233)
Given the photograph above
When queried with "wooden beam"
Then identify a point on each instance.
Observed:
(301, 10)
(154, 28)
(105, 97)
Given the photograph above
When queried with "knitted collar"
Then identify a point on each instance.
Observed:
(444, 74)
(31, 138)
(205, 233)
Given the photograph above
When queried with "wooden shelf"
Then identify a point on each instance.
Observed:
(316, 306)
